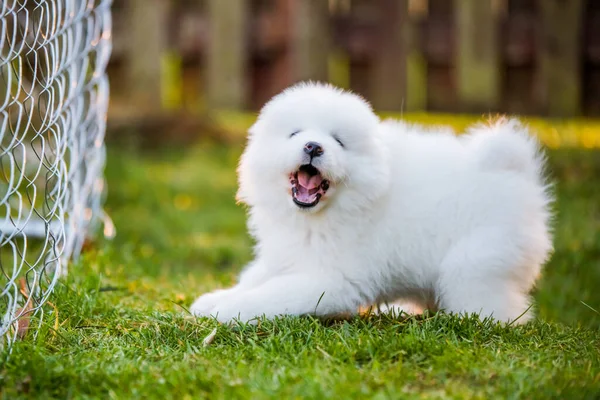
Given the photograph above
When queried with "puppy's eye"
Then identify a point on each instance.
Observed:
(294, 133)
(337, 139)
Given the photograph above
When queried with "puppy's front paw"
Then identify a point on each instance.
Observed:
(233, 311)
(204, 304)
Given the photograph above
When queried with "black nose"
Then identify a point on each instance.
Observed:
(313, 149)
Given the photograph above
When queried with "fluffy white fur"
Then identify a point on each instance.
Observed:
(446, 222)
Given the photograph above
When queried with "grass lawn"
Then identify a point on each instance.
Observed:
(118, 328)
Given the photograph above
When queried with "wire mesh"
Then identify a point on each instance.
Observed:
(53, 104)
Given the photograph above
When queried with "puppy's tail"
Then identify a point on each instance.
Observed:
(506, 144)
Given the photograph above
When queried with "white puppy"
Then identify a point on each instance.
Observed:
(348, 211)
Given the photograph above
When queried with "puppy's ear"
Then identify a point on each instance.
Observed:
(255, 129)
(241, 195)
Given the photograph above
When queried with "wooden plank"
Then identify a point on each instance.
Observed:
(359, 37)
(359, 78)
(416, 61)
(519, 42)
(226, 60)
(388, 72)
(440, 50)
(560, 57)
(310, 39)
(148, 30)
(271, 66)
(591, 86)
(477, 55)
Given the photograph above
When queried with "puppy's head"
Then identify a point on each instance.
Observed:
(313, 147)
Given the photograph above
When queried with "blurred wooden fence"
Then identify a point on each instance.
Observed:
(518, 56)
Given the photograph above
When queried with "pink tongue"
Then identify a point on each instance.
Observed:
(309, 182)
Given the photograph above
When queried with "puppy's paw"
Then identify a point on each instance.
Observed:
(234, 311)
(203, 305)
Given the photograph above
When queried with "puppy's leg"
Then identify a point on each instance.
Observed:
(486, 273)
(294, 294)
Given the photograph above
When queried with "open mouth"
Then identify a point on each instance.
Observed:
(308, 186)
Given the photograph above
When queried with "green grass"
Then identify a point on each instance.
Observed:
(117, 328)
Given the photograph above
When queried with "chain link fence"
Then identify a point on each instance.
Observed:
(53, 104)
